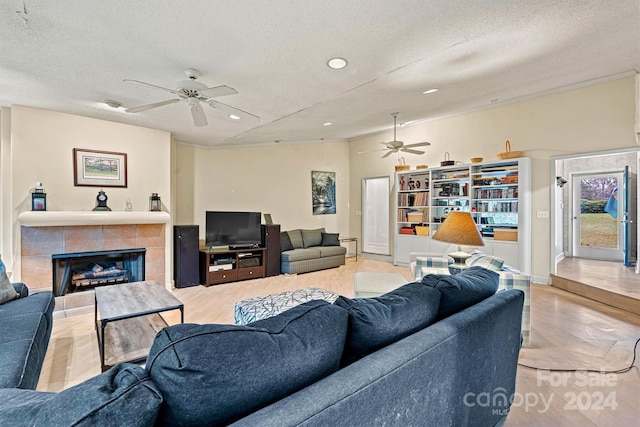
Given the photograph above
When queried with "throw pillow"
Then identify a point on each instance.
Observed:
(7, 291)
(330, 239)
(380, 321)
(296, 238)
(123, 395)
(216, 374)
(487, 261)
(258, 308)
(285, 242)
(462, 290)
(312, 237)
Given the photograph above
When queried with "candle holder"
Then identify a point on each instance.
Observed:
(38, 198)
(155, 204)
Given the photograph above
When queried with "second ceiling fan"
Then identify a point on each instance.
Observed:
(396, 146)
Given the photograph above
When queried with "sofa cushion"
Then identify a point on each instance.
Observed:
(296, 238)
(23, 343)
(380, 321)
(312, 238)
(40, 302)
(215, 374)
(258, 308)
(285, 242)
(7, 291)
(123, 395)
(299, 255)
(460, 291)
(330, 239)
(326, 251)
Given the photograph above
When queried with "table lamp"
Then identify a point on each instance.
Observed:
(459, 228)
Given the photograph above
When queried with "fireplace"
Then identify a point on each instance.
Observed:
(80, 271)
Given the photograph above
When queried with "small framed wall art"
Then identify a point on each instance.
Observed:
(92, 168)
(323, 192)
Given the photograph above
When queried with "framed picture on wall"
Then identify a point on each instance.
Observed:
(323, 192)
(92, 168)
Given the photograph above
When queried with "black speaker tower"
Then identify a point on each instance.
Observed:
(185, 256)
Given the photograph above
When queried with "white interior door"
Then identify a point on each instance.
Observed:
(375, 215)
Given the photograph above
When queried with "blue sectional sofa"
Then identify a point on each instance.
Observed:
(25, 329)
(424, 354)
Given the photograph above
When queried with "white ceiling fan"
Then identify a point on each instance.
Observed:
(395, 145)
(193, 92)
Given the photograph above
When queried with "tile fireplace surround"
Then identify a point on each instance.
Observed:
(43, 234)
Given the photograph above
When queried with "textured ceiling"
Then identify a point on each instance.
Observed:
(70, 56)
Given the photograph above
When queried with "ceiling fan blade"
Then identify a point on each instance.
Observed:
(138, 82)
(418, 144)
(409, 150)
(199, 118)
(235, 111)
(213, 92)
(150, 106)
(372, 151)
(387, 154)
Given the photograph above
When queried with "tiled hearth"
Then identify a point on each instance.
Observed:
(39, 241)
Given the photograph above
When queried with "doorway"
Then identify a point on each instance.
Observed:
(375, 215)
(598, 212)
(567, 171)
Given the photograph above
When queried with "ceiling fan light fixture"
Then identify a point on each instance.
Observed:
(337, 63)
(113, 104)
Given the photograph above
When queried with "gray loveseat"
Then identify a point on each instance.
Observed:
(303, 251)
(316, 364)
(25, 329)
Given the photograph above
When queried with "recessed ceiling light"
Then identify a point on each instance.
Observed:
(337, 63)
(428, 91)
(234, 117)
(327, 124)
(113, 104)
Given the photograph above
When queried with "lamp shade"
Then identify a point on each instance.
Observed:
(459, 229)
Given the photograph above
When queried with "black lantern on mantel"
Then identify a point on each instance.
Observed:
(38, 198)
(154, 203)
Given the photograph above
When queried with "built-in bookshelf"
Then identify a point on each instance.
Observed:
(497, 194)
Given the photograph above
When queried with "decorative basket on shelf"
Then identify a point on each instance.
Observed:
(508, 154)
(401, 166)
(447, 160)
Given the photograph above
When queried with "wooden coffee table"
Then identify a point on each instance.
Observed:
(127, 319)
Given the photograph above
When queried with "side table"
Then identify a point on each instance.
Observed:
(131, 312)
(350, 239)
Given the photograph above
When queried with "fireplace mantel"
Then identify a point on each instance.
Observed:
(71, 218)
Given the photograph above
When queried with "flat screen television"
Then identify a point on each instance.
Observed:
(233, 229)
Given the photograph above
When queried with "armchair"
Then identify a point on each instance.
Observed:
(423, 263)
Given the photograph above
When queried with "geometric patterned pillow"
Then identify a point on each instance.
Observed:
(258, 308)
(487, 261)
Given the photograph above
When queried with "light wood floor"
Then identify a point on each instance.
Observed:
(568, 331)
(609, 282)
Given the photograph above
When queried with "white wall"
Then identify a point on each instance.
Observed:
(273, 179)
(41, 148)
(594, 118)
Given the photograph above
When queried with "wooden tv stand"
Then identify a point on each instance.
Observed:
(231, 265)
